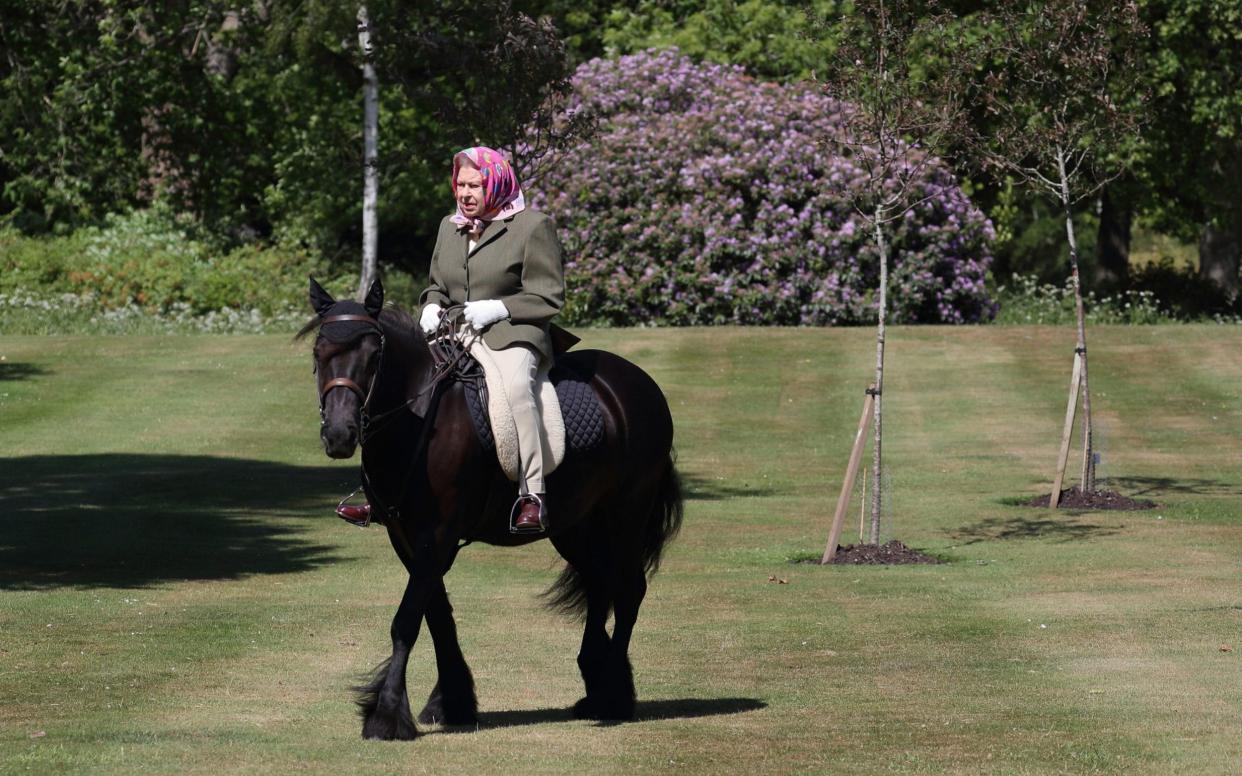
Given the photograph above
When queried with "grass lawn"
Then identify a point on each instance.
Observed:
(176, 596)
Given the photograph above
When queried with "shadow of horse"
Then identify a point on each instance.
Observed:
(131, 520)
(10, 370)
(645, 711)
(698, 488)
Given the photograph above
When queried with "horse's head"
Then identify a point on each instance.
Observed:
(347, 355)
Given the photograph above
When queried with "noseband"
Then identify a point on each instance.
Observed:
(364, 397)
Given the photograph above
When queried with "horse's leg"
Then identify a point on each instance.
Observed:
(452, 701)
(618, 695)
(383, 702)
(628, 585)
(585, 581)
(593, 654)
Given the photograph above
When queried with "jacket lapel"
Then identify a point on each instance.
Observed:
(493, 233)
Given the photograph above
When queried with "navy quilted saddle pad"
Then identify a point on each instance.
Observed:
(584, 420)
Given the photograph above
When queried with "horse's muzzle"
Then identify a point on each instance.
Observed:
(340, 441)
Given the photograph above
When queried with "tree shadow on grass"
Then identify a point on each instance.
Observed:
(697, 488)
(646, 711)
(19, 371)
(126, 520)
(1067, 528)
(1138, 487)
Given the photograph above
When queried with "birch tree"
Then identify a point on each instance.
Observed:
(370, 164)
(897, 116)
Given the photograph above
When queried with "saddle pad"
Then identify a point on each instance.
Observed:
(501, 423)
(580, 410)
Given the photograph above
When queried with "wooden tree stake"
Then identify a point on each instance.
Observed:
(862, 509)
(851, 472)
(1071, 410)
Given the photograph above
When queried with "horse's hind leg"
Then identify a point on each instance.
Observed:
(628, 587)
(617, 690)
(593, 654)
(452, 701)
(584, 584)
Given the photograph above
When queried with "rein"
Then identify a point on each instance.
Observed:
(450, 355)
(450, 361)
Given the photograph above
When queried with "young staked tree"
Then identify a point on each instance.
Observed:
(1062, 95)
(899, 112)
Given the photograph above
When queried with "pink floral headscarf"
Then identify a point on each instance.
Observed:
(502, 196)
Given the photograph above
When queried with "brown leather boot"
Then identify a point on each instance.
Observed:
(530, 518)
(358, 515)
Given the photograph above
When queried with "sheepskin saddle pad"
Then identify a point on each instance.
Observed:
(570, 415)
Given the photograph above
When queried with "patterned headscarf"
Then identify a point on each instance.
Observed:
(502, 196)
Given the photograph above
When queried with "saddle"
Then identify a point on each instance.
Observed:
(571, 418)
(581, 426)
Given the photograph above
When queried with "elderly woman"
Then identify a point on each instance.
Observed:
(502, 261)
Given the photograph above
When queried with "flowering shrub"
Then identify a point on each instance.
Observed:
(1024, 300)
(708, 197)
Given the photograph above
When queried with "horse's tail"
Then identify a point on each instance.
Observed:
(568, 594)
(665, 521)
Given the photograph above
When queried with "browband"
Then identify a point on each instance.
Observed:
(343, 318)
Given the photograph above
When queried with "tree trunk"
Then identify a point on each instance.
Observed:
(370, 134)
(1219, 253)
(1112, 246)
(222, 51)
(877, 407)
(1088, 452)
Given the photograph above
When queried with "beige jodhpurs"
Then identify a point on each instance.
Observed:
(519, 366)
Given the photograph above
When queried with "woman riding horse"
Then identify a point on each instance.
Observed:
(502, 261)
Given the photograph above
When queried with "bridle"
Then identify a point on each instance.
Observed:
(450, 360)
(364, 397)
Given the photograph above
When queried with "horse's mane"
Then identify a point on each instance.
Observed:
(397, 317)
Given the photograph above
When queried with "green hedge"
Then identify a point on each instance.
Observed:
(156, 263)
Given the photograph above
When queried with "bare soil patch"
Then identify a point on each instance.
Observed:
(894, 553)
(1073, 498)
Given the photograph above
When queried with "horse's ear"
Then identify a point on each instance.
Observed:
(375, 298)
(320, 300)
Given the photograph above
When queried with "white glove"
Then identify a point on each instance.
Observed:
(485, 312)
(430, 320)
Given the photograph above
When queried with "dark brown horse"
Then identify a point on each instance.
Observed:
(433, 486)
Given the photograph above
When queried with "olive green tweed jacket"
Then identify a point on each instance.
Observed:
(518, 261)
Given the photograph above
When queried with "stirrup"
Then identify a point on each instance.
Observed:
(516, 510)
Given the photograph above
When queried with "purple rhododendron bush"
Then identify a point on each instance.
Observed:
(709, 197)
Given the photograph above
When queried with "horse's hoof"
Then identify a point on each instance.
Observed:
(376, 729)
(602, 710)
(452, 709)
(439, 716)
(586, 708)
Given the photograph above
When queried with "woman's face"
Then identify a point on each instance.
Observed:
(470, 191)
